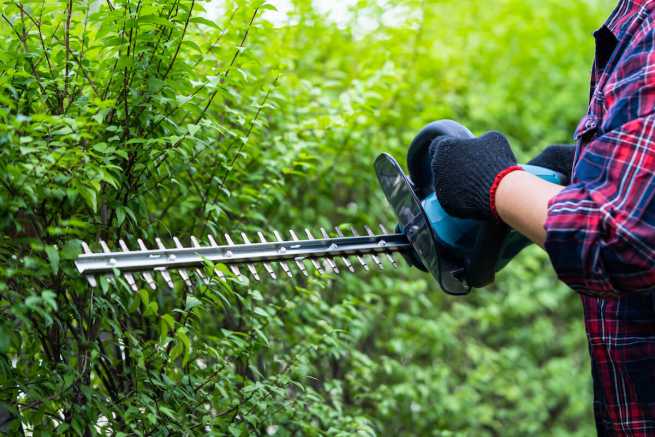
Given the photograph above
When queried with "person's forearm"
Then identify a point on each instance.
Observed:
(522, 203)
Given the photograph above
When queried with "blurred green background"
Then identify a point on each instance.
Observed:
(128, 119)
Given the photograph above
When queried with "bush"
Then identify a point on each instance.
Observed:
(125, 120)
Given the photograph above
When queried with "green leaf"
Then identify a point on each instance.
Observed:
(71, 250)
(183, 339)
(151, 309)
(192, 302)
(89, 196)
(144, 295)
(193, 129)
(62, 131)
(120, 215)
(206, 22)
(53, 258)
(164, 328)
(176, 351)
(5, 337)
(169, 320)
(102, 148)
(261, 312)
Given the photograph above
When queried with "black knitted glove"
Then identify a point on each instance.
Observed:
(558, 157)
(464, 171)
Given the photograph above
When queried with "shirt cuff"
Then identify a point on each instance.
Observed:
(568, 227)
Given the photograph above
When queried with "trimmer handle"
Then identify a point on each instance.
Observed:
(471, 251)
(419, 161)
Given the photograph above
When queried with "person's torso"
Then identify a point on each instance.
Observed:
(620, 331)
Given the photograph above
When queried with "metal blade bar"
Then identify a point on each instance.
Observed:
(345, 259)
(199, 272)
(251, 268)
(359, 257)
(235, 270)
(128, 276)
(106, 249)
(184, 274)
(317, 266)
(164, 273)
(284, 265)
(213, 243)
(327, 261)
(325, 235)
(267, 266)
(375, 258)
(299, 262)
(87, 250)
(182, 257)
(389, 256)
(146, 275)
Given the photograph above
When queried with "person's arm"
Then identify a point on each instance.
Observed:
(522, 202)
(599, 231)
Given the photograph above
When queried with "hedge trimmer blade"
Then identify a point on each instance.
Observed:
(327, 254)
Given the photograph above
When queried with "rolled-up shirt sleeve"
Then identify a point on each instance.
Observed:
(601, 228)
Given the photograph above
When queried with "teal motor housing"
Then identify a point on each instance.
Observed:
(459, 253)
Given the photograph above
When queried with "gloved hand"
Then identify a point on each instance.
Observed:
(464, 172)
(557, 157)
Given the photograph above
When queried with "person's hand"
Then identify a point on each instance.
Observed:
(465, 170)
(557, 157)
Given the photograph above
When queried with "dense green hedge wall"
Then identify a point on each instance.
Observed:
(136, 118)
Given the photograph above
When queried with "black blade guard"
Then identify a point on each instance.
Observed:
(415, 224)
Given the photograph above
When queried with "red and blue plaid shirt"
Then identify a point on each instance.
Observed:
(601, 228)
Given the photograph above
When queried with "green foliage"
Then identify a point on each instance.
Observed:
(140, 119)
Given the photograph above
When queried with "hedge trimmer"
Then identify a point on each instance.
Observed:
(459, 253)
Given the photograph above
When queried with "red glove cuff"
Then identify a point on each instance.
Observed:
(494, 187)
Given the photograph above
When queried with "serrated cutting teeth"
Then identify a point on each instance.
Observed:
(128, 276)
(375, 258)
(252, 269)
(389, 255)
(328, 263)
(110, 261)
(199, 272)
(361, 260)
(345, 259)
(317, 265)
(212, 242)
(189, 261)
(285, 267)
(298, 261)
(325, 236)
(235, 270)
(268, 267)
(147, 275)
(164, 273)
(183, 272)
(90, 278)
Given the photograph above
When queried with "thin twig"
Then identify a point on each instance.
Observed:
(250, 129)
(38, 28)
(35, 73)
(69, 14)
(220, 36)
(85, 73)
(229, 68)
(226, 74)
(179, 44)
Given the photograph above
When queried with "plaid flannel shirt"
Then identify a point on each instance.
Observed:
(601, 228)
